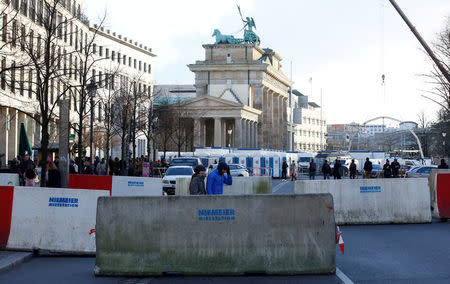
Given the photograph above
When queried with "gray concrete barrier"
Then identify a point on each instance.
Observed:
(240, 186)
(374, 201)
(215, 235)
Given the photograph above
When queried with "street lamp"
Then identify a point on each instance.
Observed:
(443, 142)
(92, 90)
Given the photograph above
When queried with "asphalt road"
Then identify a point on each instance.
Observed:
(373, 254)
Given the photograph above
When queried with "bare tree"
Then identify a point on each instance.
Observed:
(440, 92)
(41, 69)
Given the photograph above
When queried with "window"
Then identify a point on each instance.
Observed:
(100, 50)
(3, 75)
(60, 26)
(94, 48)
(149, 68)
(52, 93)
(14, 33)
(65, 62)
(113, 55)
(129, 61)
(145, 67)
(13, 77)
(118, 57)
(24, 7)
(76, 37)
(93, 75)
(81, 40)
(38, 46)
(107, 52)
(65, 29)
(140, 65)
(5, 28)
(31, 47)
(30, 83)
(40, 10)
(124, 59)
(22, 37)
(135, 64)
(100, 112)
(71, 34)
(100, 79)
(16, 4)
(106, 80)
(75, 69)
(22, 80)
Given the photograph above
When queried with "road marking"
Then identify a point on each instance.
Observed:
(343, 277)
(279, 186)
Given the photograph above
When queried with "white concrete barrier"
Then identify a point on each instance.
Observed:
(9, 179)
(136, 186)
(240, 186)
(56, 220)
(374, 201)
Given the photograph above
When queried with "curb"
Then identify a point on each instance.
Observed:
(13, 260)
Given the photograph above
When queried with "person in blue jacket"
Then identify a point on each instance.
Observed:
(214, 184)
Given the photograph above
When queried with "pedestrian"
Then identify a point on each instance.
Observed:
(101, 167)
(387, 172)
(367, 168)
(30, 176)
(293, 171)
(87, 169)
(116, 167)
(96, 162)
(312, 170)
(284, 168)
(395, 168)
(216, 179)
(352, 169)
(73, 168)
(443, 165)
(326, 170)
(54, 176)
(197, 185)
(26, 164)
(337, 170)
(56, 161)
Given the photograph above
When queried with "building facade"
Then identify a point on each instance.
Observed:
(310, 126)
(108, 59)
(242, 97)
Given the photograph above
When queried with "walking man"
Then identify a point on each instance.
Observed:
(353, 169)
(367, 168)
(293, 171)
(216, 179)
(312, 170)
(395, 168)
(284, 168)
(326, 170)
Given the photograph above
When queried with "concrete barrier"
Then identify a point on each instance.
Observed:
(90, 182)
(374, 201)
(443, 190)
(240, 186)
(276, 234)
(136, 186)
(50, 219)
(9, 179)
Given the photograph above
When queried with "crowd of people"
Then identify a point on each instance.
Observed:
(390, 169)
(29, 171)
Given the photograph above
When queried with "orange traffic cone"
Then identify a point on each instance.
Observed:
(340, 240)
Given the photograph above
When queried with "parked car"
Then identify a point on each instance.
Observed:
(186, 161)
(423, 171)
(170, 178)
(377, 171)
(236, 170)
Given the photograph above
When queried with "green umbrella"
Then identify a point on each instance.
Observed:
(24, 144)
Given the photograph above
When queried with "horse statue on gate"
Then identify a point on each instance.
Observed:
(224, 39)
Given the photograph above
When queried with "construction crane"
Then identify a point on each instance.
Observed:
(422, 41)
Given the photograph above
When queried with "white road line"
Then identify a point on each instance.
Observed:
(279, 186)
(343, 277)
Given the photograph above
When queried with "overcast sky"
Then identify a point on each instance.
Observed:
(345, 45)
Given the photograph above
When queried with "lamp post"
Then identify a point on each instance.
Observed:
(443, 141)
(92, 90)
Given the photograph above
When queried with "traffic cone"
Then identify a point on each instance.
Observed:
(340, 240)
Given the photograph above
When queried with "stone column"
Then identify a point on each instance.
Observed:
(12, 134)
(272, 134)
(257, 136)
(202, 133)
(217, 132)
(3, 137)
(197, 132)
(264, 120)
(258, 101)
(238, 132)
(249, 134)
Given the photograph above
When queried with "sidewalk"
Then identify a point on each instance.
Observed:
(10, 259)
